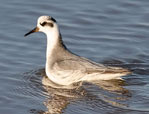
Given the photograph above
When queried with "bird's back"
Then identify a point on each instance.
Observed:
(74, 69)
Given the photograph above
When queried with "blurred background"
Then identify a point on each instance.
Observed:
(111, 32)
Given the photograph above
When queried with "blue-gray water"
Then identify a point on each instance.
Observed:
(113, 32)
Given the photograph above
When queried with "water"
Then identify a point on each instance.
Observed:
(110, 32)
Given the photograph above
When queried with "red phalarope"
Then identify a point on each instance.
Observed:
(64, 67)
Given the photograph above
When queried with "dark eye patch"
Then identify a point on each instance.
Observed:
(50, 24)
(43, 24)
(47, 24)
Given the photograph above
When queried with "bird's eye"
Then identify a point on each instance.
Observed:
(47, 24)
(43, 24)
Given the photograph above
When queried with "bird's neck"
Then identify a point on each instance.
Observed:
(55, 48)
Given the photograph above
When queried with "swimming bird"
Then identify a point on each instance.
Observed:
(65, 68)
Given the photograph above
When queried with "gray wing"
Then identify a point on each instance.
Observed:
(85, 66)
(73, 70)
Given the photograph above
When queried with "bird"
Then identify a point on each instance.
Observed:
(64, 67)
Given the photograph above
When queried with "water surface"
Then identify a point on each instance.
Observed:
(110, 32)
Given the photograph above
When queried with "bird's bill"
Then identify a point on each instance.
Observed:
(36, 29)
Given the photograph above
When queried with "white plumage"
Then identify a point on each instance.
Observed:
(64, 67)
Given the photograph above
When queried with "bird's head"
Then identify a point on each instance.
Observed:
(45, 24)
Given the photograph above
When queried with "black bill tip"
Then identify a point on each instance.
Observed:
(36, 29)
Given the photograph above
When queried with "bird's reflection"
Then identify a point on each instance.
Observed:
(59, 97)
(113, 92)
